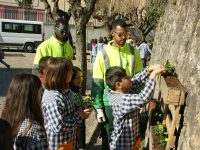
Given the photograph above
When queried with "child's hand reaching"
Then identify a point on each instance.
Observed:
(85, 113)
(153, 67)
(158, 69)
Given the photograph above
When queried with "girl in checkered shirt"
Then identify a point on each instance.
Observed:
(61, 118)
(75, 86)
(23, 112)
(125, 106)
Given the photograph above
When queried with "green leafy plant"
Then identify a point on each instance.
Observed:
(87, 102)
(27, 4)
(170, 69)
(160, 131)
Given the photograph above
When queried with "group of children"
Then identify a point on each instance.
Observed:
(43, 112)
(46, 112)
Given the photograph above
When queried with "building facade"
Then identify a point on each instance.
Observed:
(9, 9)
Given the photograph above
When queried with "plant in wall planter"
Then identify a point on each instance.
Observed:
(160, 136)
(170, 69)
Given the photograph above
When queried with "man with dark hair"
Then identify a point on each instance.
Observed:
(56, 46)
(116, 53)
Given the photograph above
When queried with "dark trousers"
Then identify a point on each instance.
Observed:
(3, 62)
(144, 62)
(105, 127)
(80, 140)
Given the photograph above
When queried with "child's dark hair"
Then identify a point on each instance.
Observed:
(57, 70)
(75, 69)
(23, 100)
(42, 63)
(113, 75)
(119, 22)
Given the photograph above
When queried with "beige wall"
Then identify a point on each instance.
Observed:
(36, 4)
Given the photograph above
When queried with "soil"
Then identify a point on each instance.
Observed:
(172, 81)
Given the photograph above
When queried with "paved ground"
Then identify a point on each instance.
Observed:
(22, 62)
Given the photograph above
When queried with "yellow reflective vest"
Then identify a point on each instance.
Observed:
(55, 48)
(109, 57)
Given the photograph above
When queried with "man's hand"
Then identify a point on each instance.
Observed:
(100, 116)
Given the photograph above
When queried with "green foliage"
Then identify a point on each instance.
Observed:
(162, 133)
(27, 4)
(154, 10)
(87, 102)
(170, 69)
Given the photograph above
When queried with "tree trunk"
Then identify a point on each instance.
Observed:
(81, 52)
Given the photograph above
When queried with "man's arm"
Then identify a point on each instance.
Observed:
(98, 81)
(98, 87)
(69, 51)
(38, 56)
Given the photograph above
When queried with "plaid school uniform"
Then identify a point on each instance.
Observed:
(31, 137)
(78, 103)
(125, 109)
(60, 117)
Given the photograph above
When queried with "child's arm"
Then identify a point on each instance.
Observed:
(132, 101)
(138, 79)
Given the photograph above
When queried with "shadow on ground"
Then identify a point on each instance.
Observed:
(15, 50)
(7, 75)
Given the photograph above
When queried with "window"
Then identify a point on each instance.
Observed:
(30, 15)
(32, 28)
(28, 28)
(6, 27)
(10, 13)
(38, 29)
(21, 28)
(17, 27)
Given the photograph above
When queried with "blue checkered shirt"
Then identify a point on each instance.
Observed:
(31, 137)
(125, 109)
(60, 117)
(77, 99)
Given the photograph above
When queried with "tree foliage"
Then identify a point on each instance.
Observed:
(55, 12)
(143, 15)
(27, 4)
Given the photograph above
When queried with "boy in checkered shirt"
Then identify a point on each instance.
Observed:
(125, 106)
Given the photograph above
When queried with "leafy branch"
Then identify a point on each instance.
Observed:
(27, 4)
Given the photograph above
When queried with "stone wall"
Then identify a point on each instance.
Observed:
(178, 39)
